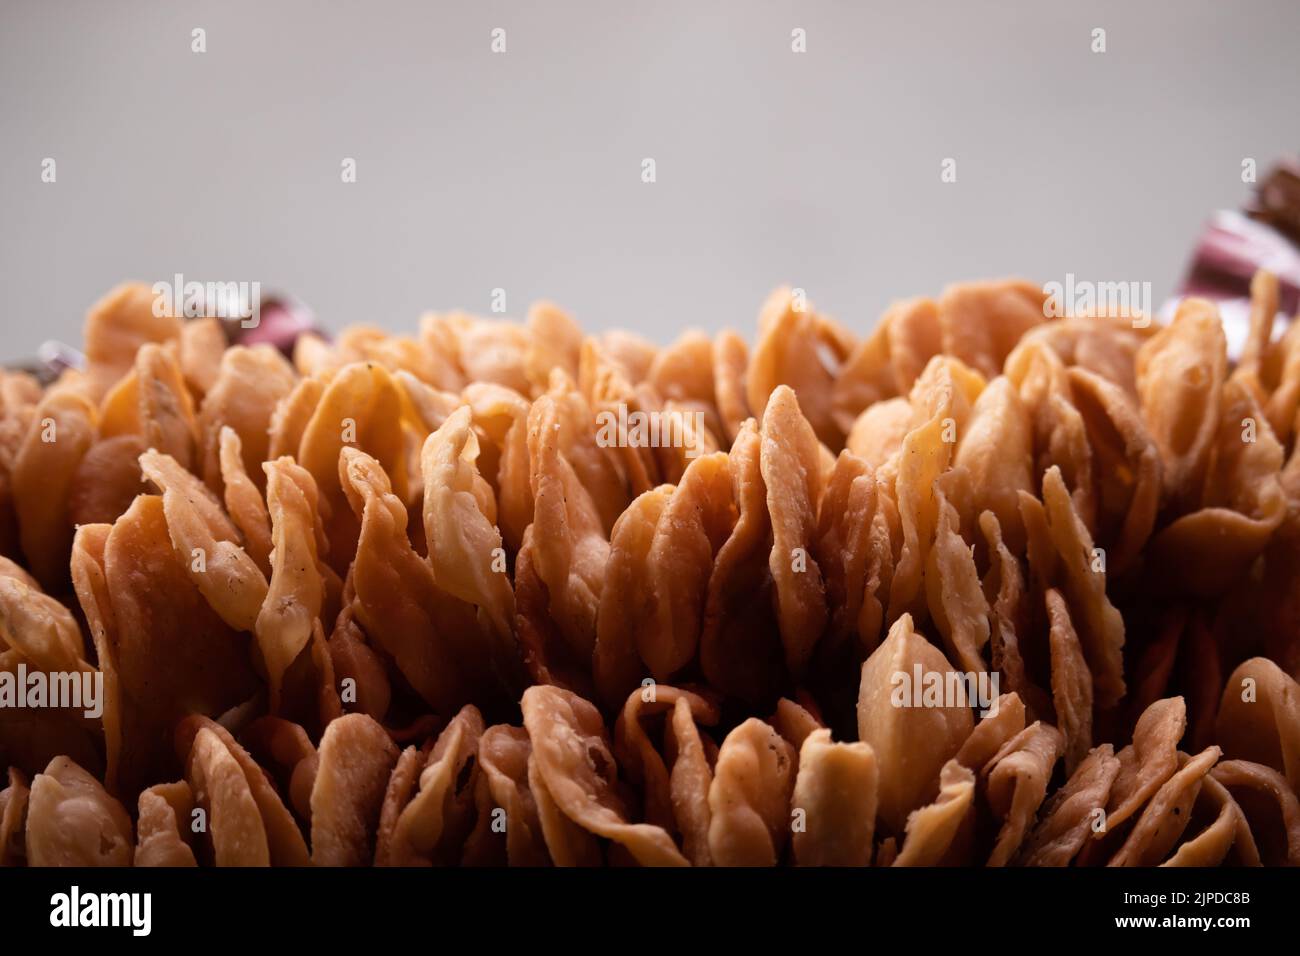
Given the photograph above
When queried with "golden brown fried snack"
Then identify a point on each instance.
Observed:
(356, 759)
(164, 821)
(72, 820)
(749, 798)
(911, 741)
(574, 763)
(836, 792)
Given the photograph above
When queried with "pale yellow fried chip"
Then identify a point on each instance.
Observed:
(792, 475)
(72, 820)
(911, 741)
(574, 759)
(836, 790)
(1017, 779)
(164, 809)
(61, 432)
(356, 758)
(206, 542)
(749, 799)
(938, 833)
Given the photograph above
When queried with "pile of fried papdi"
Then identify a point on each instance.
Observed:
(980, 588)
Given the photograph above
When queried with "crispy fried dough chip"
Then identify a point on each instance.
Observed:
(749, 799)
(117, 326)
(981, 322)
(61, 432)
(570, 549)
(503, 754)
(1259, 718)
(360, 410)
(173, 654)
(1100, 626)
(641, 762)
(628, 601)
(159, 839)
(1262, 787)
(1150, 760)
(741, 652)
(465, 548)
(996, 449)
(106, 481)
(574, 760)
(72, 820)
(1180, 373)
(356, 758)
(803, 350)
(244, 501)
(1073, 812)
(693, 526)
(296, 594)
(13, 819)
(836, 790)
(1071, 682)
(434, 825)
(791, 468)
(886, 363)
(250, 386)
(430, 635)
(206, 541)
(1166, 815)
(1017, 779)
(911, 741)
(936, 832)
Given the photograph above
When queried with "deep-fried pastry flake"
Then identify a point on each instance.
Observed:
(1150, 760)
(911, 741)
(791, 469)
(749, 799)
(1017, 779)
(1071, 682)
(73, 821)
(573, 758)
(1167, 813)
(938, 833)
(836, 791)
(1259, 718)
(164, 809)
(1074, 812)
(356, 758)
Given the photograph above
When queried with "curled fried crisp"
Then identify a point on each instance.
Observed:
(749, 799)
(741, 652)
(1101, 628)
(791, 469)
(244, 501)
(803, 350)
(569, 544)
(1071, 682)
(465, 548)
(996, 449)
(13, 819)
(1166, 815)
(61, 431)
(692, 527)
(360, 410)
(503, 757)
(162, 633)
(1259, 718)
(938, 832)
(296, 593)
(911, 741)
(250, 385)
(1073, 812)
(836, 791)
(1017, 779)
(1180, 373)
(434, 825)
(205, 540)
(73, 821)
(1270, 805)
(356, 758)
(160, 841)
(1150, 760)
(575, 763)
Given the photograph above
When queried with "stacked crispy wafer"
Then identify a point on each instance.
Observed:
(981, 587)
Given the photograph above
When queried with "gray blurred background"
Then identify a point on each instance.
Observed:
(523, 171)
